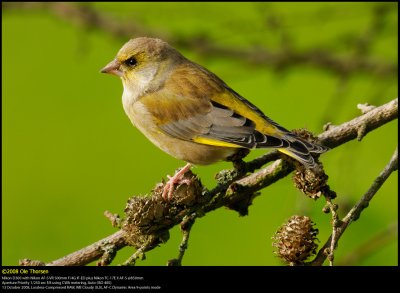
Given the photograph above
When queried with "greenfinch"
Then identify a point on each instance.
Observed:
(190, 113)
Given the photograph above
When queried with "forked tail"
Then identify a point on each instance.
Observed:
(301, 150)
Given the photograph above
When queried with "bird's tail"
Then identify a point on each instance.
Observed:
(301, 150)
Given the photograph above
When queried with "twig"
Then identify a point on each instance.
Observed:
(88, 254)
(90, 18)
(337, 135)
(335, 224)
(365, 108)
(139, 254)
(114, 219)
(355, 212)
(240, 193)
(110, 251)
(186, 226)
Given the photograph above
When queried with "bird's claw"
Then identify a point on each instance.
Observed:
(178, 178)
(169, 186)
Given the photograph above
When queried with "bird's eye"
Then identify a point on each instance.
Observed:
(131, 61)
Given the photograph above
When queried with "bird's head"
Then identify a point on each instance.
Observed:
(143, 64)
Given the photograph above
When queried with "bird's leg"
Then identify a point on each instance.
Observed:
(177, 178)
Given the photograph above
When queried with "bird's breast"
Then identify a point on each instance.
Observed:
(188, 151)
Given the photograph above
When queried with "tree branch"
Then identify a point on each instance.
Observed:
(355, 212)
(148, 219)
(335, 223)
(85, 255)
(186, 226)
(337, 135)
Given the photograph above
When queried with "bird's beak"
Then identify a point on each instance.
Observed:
(113, 68)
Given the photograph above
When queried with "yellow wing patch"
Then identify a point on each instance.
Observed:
(215, 142)
(229, 100)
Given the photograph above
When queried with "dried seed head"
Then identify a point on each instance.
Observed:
(148, 218)
(311, 183)
(295, 240)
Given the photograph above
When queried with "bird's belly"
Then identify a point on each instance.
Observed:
(188, 151)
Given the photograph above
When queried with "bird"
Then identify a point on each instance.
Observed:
(191, 114)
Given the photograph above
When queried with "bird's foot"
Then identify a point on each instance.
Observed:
(176, 179)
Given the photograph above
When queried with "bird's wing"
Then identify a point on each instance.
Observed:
(199, 107)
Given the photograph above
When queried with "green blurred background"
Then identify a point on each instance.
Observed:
(70, 153)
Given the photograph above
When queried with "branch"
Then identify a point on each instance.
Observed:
(148, 219)
(186, 226)
(355, 212)
(337, 135)
(89, 18)
(335, 223)
(85, 255)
